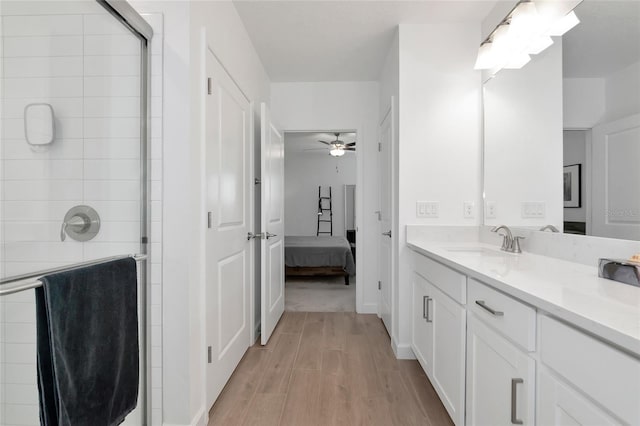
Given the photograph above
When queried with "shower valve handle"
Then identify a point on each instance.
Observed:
(77, 223)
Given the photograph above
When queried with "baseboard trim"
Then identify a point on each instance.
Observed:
(368, 308)
(402, 351)
(256, 332)
(201, 419)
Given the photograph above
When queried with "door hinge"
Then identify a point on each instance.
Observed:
(144, 240)
(257, 181)
(379, 146)
(209, 86)
(209, 219)
(209, 358)
(379, 285)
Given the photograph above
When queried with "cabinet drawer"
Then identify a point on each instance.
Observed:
(510, 317)
(607, 375)
(450, 282)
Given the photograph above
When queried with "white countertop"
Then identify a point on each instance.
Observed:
(567, 290)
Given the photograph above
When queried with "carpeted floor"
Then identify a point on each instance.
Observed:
(320, 294)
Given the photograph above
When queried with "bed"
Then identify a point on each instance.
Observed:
(328, 256)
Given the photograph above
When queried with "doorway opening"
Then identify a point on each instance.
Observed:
(320, 221)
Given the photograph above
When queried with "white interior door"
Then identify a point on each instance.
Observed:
(385, 235)
(228, 255)
(615, 208)
(271, 225)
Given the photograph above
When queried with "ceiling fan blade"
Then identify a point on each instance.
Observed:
(326, 143)
(315, 149)
(351, 144)
(349, 149)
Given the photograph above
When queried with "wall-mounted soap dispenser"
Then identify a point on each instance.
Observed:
(39, 125)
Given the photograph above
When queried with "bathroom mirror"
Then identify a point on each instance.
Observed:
(562, 134)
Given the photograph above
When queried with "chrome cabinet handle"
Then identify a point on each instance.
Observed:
(425, 300)
(427, 317)
(388, 234)
(514, 399)
(488, 309)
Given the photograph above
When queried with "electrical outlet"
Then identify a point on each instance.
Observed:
(469, 209)
(490, 210)
(427, 209)
(533, 210)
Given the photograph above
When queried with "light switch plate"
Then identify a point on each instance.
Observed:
(469, 209)
(533, 210)
(428, 209)
(490, 210)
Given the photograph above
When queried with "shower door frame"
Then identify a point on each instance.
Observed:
(127, 15)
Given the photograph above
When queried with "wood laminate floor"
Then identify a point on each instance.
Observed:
(328, 368)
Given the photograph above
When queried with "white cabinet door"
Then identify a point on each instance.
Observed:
(438, 341)
(558, 404)
(500, 379)
(448, 366)
(422, 331)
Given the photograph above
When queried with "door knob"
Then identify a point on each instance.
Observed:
(269, 235)
(251, 235)
(388, 234)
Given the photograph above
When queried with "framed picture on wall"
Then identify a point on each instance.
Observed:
(571, 186)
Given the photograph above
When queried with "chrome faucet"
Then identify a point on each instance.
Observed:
(550, 228)
(509, 242)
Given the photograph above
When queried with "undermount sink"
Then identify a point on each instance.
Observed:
(480, 251)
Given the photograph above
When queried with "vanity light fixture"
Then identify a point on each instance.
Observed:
(523, 32)
(336, 151)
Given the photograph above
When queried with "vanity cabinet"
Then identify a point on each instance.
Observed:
(500, 378)
(438, 341)
(560, 404)
(497, 359)
(598, 371)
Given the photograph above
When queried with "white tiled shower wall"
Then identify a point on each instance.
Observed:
(86, 65)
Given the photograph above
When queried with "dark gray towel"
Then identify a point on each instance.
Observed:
(87, 320)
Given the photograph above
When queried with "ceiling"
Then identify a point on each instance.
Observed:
(310, 40)
(606, 40)
(307, 142)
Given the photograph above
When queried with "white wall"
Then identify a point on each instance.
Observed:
(623, 93)
(183, 264)
(523, 140)
(303, 173)
(583, 102)
(575, 152)
(439, 145)
(342, 106)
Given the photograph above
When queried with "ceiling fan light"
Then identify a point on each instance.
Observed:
(336, 152)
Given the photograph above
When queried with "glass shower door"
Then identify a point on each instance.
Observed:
(72, 166)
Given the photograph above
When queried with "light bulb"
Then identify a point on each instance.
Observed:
(564, 24)
(336, 152)
(486, 57)
(517, 61)
(538, 44)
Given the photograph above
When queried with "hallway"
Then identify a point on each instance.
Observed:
(329, 368)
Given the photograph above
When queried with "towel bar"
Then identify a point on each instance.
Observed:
(32, 280)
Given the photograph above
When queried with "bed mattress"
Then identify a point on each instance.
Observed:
(319, 252)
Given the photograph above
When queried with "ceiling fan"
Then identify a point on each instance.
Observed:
(337, 148)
